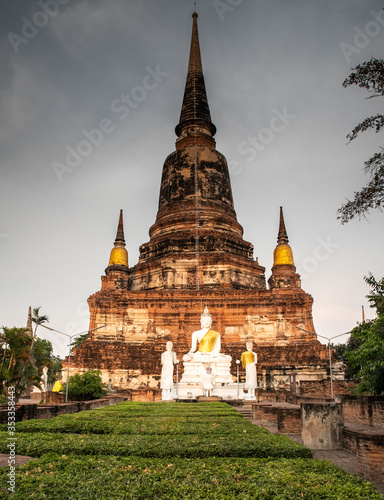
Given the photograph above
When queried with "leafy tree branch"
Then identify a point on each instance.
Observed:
(370, 76)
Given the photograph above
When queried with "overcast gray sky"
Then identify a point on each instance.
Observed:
(273, 70)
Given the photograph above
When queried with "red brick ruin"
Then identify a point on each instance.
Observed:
(197, 257)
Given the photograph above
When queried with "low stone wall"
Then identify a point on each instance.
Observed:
(364, 410)
(271, 395)
(289, 421)
(286, 417)
(269, 414)
(368, 445)
(349, 440)
(257, 410)
(31, 411)
(322, 388)
(312, 399)
(54, 397)
(360, 431)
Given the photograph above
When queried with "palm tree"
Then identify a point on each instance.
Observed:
(17, 361)
(38, 320)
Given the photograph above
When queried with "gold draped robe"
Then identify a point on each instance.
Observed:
(57, 387)
(207, 343)
(247, 358)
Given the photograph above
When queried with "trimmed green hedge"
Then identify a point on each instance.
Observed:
(169, 451)
(259, 443)
(101, 477)
(160, 424)
(159, 430)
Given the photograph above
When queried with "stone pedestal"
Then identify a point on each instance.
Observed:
(190, 386)
(221, 366)
(209, 399)
(322, 425)
(194, 391)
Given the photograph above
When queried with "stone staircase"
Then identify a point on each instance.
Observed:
(245, 410)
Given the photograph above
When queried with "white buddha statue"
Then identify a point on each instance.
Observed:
(204, 353)
(205, 342)
(168, 360)
(249, 361)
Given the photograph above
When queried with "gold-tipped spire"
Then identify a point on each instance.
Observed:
(119, 254)
(283, 253)
(195, 117)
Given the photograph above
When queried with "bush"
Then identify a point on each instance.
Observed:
(86, 386)
(259, 444)
(137, 478)
(166, 451)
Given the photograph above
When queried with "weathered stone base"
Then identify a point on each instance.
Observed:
(220, 366)
(322, 425)
(228, 392)
(209, 399)
(139, 324)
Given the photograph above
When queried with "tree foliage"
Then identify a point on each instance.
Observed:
(17, 362)
(38, 320)
(364, 352)
(78, 341)
(370, 76)
(21, 363)
(376, 297)
(86, 386)
(368, 358)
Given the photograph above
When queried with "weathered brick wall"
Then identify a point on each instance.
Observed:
(4, 413)
(146, 395)
(365, 410)
(289, 421)
(322, 388)
(140, 322)
(257, 410)
(269, 414)
(266, 396)
(313, 399)
(271, 395)
(378, 413)
(349, 440)
(31, 411)
(370, 456)
(54, 397)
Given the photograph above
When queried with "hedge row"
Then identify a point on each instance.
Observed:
(259, 443)
(100, 477)
(169, 451)
(116, 424)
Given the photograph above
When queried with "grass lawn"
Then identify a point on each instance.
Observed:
(169, 451)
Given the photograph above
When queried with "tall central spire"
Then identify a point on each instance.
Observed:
(195, 117)
(196, 240)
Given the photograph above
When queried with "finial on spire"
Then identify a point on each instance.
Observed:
(195, 117)
(282, 238)
(283, 253)
(120, 229)
(194, 11)
(119, 254)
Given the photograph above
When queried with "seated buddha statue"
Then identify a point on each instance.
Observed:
(205, 342)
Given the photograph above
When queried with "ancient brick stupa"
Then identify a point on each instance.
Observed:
(197, 257)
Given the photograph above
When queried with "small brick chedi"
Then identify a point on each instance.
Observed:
(196, 256)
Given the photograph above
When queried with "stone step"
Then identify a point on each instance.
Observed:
(246, 411)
